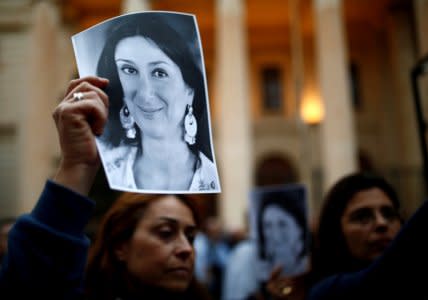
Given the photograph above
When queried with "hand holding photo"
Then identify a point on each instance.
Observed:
(158, 135)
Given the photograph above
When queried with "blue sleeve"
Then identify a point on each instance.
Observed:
(398, 274)
(201, 258)
(47, 249)
(240, 279)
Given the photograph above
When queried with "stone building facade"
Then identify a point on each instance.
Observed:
(264, 60)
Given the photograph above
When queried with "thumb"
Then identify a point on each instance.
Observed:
(276, 272)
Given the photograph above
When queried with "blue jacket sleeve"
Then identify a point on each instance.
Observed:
(47, 249)
(400, 273)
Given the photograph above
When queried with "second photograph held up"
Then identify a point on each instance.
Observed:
(278, 222)
(158, 135)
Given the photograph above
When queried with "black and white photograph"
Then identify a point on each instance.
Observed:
(158, 135)
(278, 222)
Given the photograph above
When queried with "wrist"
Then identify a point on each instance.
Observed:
(77, 177)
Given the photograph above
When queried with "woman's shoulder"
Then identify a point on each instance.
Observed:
(115, 157)
(118, 162)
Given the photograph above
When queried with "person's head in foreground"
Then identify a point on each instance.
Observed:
(144, 248)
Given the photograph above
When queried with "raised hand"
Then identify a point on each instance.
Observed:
(280, 287)
(79, 117)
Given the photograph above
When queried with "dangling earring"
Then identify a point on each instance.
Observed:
(190, 126)
(127, 122)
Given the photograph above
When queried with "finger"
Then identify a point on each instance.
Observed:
(97, 93)
(87, 90)
(90, 110)
(96, 113)
(94, 80)
(99, 119)
(276, 273)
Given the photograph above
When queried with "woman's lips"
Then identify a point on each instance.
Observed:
(182, 272)
(149, 112)
(380, 244)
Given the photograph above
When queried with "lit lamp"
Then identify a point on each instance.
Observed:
(312, 110)
(312, 113)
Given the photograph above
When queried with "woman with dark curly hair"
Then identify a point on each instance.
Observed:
(283, 230)
(157, 135)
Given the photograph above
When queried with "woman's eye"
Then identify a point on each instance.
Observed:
(129, 70)
(363, 216)
(160, 73)
(190, 238)
(267, 225)
(282, 224)
(390, 213)
(165, 233)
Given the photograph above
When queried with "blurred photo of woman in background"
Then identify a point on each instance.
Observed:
(283, 232)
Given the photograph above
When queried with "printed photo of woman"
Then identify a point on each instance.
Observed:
(279, 224)
(158, 135)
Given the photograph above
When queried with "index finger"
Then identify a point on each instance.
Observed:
(276, 273)
(86, 86)
(99, 82)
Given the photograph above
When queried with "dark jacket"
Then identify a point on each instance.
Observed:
(48, 249)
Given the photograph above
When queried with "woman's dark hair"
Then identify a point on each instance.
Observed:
(156, 27)
(331, 254)
(291, 202)
(105, 274)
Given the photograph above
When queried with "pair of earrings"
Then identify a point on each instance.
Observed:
(190, 124)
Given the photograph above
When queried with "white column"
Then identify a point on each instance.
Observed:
(233, 113)
(129, 6)
(402, 55)
(298, 75)
(421, 11)
(38, 144)
(337, 129)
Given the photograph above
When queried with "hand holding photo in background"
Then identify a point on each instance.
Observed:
(278, 222)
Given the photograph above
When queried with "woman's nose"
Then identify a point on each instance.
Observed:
(278, 235)
(184, 247)
(145, 90)
(380, 220)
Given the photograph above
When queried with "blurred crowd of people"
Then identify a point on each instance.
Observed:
(359, 220)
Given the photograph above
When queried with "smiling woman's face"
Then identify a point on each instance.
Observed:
(283, 236)
(153, 87)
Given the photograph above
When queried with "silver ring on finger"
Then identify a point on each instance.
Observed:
(78, 96)
(286, 290)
